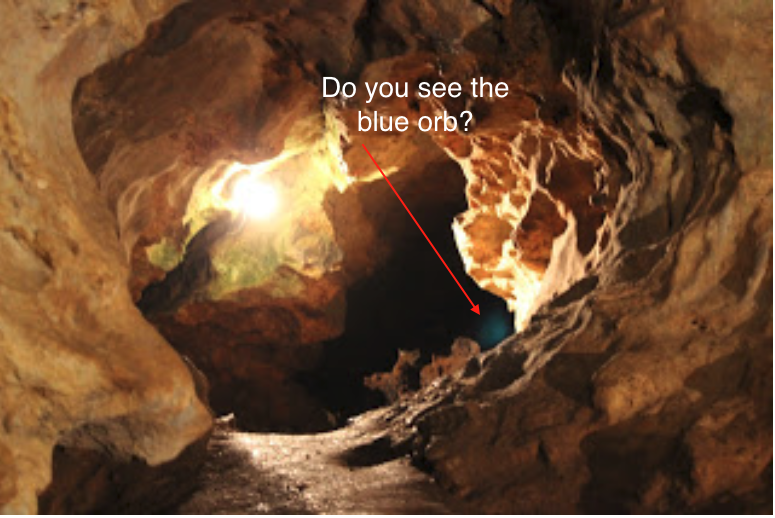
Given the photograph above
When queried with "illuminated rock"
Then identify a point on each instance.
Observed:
(619, 199)
(649, 360)
(78, 363)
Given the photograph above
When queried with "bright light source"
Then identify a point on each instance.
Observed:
(256, 199)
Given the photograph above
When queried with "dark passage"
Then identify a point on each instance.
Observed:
(262, 346)
(411, 303)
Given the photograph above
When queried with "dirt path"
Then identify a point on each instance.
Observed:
(352, 471)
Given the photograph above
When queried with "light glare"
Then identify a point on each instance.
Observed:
(256, 199)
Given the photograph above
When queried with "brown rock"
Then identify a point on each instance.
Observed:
(74, 351)
(462, 358)
(619, 199)
(643, 382)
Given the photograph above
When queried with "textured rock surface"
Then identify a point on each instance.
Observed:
(78, 363)
(88, 481)
(619, 199)
(646, 386)
(164, 129)
(249, 302)
(620, 196)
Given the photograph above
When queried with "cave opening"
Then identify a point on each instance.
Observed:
(259, 247)
(188, 225)
(410, 304)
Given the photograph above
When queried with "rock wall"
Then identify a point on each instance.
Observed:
(646, 386)
(78, 363)
(619, 199)
(220, 91)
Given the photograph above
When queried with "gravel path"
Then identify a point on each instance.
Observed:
(352, 470)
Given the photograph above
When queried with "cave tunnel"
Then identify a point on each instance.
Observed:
(411, 303)
(279, 356)
(216, 297)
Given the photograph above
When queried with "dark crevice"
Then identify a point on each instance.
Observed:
(191, 275)
(411, 303)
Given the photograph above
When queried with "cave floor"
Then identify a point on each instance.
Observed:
(346, 471)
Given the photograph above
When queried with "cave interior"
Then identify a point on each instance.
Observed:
(241, 316)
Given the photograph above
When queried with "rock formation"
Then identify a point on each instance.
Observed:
(619, 200)
(217, 93)
(79, 364)
(644, 382)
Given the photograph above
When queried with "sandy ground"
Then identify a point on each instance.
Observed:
(352, 471)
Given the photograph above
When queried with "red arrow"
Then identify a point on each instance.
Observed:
(475, 308)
